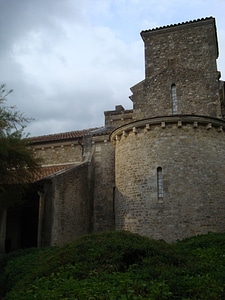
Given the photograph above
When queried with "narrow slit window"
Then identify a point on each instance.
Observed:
(160, 184)
(174, 98)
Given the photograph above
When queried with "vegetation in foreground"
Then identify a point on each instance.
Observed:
(18, 165)
(118, 265)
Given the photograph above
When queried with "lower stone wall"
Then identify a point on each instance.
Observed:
(72, 205)
(104, 182)
(80, 200)
(59, 153)
(193, 174)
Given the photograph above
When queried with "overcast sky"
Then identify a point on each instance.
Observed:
(68, 61)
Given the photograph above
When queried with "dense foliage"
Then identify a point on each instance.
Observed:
(118, 265)
(17, 162)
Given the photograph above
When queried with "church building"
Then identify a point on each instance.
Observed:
(157, 169)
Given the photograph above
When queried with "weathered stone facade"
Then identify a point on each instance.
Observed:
(60, 153)
(104, 182)
(71, 217)
(185, 56)
(157, 170)
(187, 150)
(169, 170)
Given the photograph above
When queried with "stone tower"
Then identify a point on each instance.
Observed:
(169, 161)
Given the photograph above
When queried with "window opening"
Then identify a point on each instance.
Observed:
(160, 184)
(174, 98)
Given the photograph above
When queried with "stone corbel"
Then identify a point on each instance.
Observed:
(135, 130)
(195, 124)
(147, 127)
(209, 126)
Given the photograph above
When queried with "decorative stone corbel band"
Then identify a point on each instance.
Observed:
(180, 120)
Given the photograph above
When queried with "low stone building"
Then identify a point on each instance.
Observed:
(157, 170)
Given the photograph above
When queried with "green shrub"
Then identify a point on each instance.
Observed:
(118, 265)
(15, 266)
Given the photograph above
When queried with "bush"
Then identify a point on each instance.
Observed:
(15, 266)
(118, 265)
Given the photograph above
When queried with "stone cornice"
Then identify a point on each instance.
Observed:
(162, 121)
(174, 27)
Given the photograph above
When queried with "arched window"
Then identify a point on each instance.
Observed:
(174, 98)
(159, 184)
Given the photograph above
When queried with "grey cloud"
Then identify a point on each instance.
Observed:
(20, 17)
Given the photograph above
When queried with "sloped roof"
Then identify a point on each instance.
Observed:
(102, 131)
(178, 24)
(46, 171)
(41, 173)
(60, 136)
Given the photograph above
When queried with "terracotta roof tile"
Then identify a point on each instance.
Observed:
(175, 25)
(41, 173)
(60, 136)
(46, 171)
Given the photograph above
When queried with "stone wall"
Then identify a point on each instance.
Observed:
(59, 153)
(72, 207)
(191, 154)
(104, 182)
(119, 187)
(182, 55)
(80, 200)
(118, 117)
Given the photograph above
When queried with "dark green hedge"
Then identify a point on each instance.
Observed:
(118, 265)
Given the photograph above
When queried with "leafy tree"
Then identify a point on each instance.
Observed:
(18, 166)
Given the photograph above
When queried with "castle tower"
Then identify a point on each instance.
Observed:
(169, 162)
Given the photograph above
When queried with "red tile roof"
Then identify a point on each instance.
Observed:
(41, 173)
(60, 136)
(178, 24)
(46, 171)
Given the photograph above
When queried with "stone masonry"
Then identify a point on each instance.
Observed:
(119, 187)
(157, 169)
(193, 195)
(169, 163)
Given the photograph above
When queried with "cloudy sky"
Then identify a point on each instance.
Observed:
(68, 61)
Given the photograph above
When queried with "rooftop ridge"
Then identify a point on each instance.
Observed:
(60, 136)
(178, 24)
